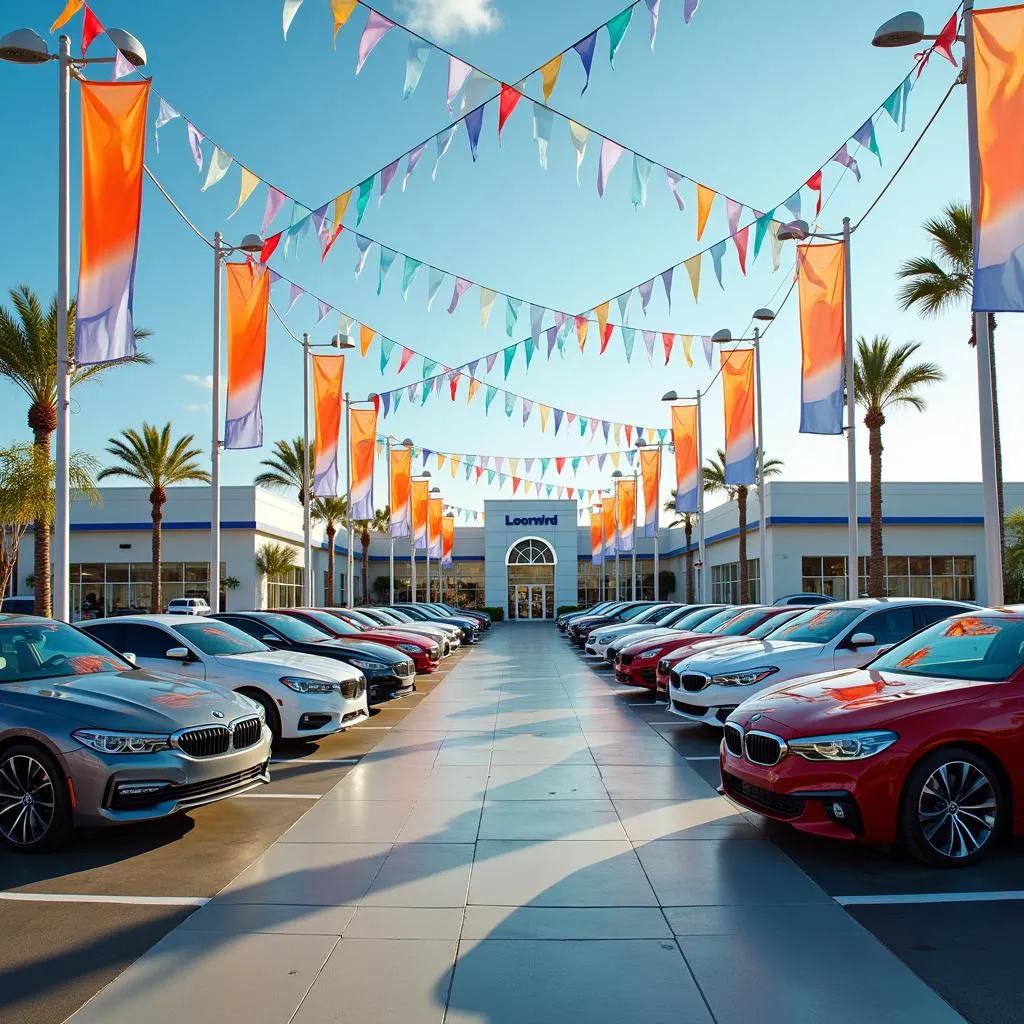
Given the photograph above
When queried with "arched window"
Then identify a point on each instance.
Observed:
(530, 552)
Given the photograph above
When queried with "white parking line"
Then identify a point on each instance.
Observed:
(995, 896)
(702, 757)
(278, 796)
(139, 901)
(362, 727)
(315, 760)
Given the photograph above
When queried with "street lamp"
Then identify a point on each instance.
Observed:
(907, 29)
(641, 444)
(433, 490)
(249, 244)
(673, 396)
(407, 443)
(616, 476)
(24, 46)
(724, 337)
(425, 475)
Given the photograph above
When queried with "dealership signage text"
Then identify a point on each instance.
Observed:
(531, 520)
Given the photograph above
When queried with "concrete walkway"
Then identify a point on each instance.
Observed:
(521, 848)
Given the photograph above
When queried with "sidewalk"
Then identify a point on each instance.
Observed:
(521, 848)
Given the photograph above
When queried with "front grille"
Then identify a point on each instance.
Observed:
(775, 803)
(187, 796)
(246, 733)
(625, 660)
(762, 748)
(734, 740)
(692, 682)
(689, 709)
(207, 742)
(353, 688)
(314, 720)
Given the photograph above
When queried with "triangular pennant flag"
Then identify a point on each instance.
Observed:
(740, 239)
(515, 484)
(362, 251)
(409, 271)
(387, 346)
(377, 26)
(579, 136)
(610, 153)
(667, 341)
(195, 138)
(342, 11)
(653, 6)
(386, 177)
(645, 291)
(536, 318)
(429, 366)
(474, 386)
(705, 197)
(474, 124)
(365, 188)
(674, 179)
(689, 9)
(165, 114)
(510, 354)
(761, 229)
(269, 245)
(558, 420)
(300, 222)
(322, 309)
(527, 409)
(641, 172)
(708, 348)
(717, 252)
(458, 72)
(584, 422)
(512, 307)
(291, 7)
(415, 62)
(318, 217)
(545, 412)
(865, 136)
(552, 335)
(543, 119)
(688, 349)
(510, 403)
(413, 159)
(509, 99)
(616, 30)
(793, 204)
(549, 75)
(461, 284)
(582, 324)
(894, 105)
(814, 183)
(649, 338)
(692, 266)
(528, 349)
(623, 303)
(340, 206)
(434, 283)
(628, 338)
(559, 464)
(617, 433)
(72, 7)
(666, 280)
(601, 460)
(606, 335)
(773, 230)
(486, 302)
(489, 361)
(733, 212)
(366, 336)
(617, 456)
(386, 402)
(293, 295)
(403, 362)
(601, 312)
(842, 157)
(585, 49)
(246, 189)
(442, 140)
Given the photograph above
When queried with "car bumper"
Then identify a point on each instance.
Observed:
(424, 663)
(679, 704)
(637, 674)
(306, 716)
(381, 689)
(110, 789)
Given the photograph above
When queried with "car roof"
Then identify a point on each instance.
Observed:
(158, 619)
(19, 617)
(874, 602)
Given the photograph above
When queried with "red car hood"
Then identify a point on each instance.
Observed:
(851, 699)
(675, 638)
(393, 637)
(712, 643)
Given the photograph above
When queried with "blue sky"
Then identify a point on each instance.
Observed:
(749, 98)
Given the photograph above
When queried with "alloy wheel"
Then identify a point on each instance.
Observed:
(26, 800)
(957, 809)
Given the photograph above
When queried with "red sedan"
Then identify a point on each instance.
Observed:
(637, 663)
(426, 654)
(922, 747)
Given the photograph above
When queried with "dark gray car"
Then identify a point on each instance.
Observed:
(88, 739)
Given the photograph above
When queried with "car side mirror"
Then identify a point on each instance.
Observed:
(178, 654)
(129, 657)
(862, 640)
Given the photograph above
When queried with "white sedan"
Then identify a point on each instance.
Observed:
(303, 695)
(708, 687)
(653, 618)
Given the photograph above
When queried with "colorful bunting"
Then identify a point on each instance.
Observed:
(585, 50)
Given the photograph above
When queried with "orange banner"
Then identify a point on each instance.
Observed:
(608, 515)
(435, 513)
(447, 540)
(420, 499)
(650, 472)
(685, 430)
(821, 280)
(113, 150)
(328, 373)
(738, 394)
(400, 479)
(362, 426)
(248, 294)
(625, 500)
(596, 540)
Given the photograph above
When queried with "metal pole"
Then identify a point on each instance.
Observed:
(765, 587)
(412, 563)
(427, 555)
(349, 563)
(307, 538)
(215, 436)
(657, 581)
(615, 498)
(635, 496)
(986, 404)
(61, 526)
(853, 544)
(391, 556)
(700, 502)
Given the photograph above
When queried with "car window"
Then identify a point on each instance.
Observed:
(334, 623)
(217, 637)
(255, 629)
(292, 629)
(146, 641)
(929, 613)
(742, 624)
(48, 650)
(110, 633)
(695, 617)
(819, 625)
(889, 626)
(770, 625)
(710, 624)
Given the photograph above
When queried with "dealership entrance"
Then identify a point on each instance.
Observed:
(531, 580)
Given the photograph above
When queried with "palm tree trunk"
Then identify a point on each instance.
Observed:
(364, 539)
(741, 504)
(42, 419)
(688, 528)
(329, 590)
(876, 577)
(156, 501)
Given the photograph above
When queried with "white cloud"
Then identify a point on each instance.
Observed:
(204, 381)
(198, 407)
(443, 20)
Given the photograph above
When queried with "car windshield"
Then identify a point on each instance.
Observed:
(332, 622)
(630, 613)
(359, 618)
(770, 625)
(818, 625)
(984, 648)
(695, 617)
(742, 624)
(653, 615)
(387, 618)
(219, 638)
(46, 650)
(399, 615)
(293, 629)
(710, 625)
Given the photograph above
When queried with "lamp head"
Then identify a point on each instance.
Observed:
(641, 443)
(764, 314)
(670, 396)
(794, 231)
(722, 337)
(24, 46)
(435, 490)
(251, 243)
(906, 29)
(342, 341)
(134, 52)
(617, 474)
(408, 443)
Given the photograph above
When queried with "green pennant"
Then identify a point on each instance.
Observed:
(583, 425)
(510, 403)
(429, 366)
(511, 314)
(387, 346)
(488, 398)
(510, 354)
(490, 476)
(616, 30)
(628, 337)
(396, 399)
(544, 463)
(408, 273)
(575, 465)
(761, 227)
(529, 349)
(365, 188)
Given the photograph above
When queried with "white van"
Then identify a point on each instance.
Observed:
(188, 606)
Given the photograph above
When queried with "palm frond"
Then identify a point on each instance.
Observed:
(153, 458)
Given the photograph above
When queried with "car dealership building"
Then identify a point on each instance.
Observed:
(530, 556)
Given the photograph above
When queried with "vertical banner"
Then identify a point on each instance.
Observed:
(999, 229)
(596, 538)
(420, 493)
(362, 426)
(400, 470)
(609, 517)
(248, 295)
(435, 513)
(625, 501)
(821, 280)
(650, 473)
(738, 392)
(684, 439)
(113, 149)
(447, 541)
(328, 373)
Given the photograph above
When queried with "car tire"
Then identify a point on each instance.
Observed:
(273, 718)
(929, 830)
(30, 770)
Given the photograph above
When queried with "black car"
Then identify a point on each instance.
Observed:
(469, 628)
(389, 673)
(579, 629)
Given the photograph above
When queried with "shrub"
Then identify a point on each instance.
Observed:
(564, 609)
(666, 582)
(496, 614)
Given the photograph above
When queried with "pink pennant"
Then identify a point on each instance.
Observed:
(386, 177)
(275, 200)
(407, 354)
(733, 211)
(461, 284)
(741, 238)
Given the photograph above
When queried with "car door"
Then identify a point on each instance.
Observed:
(150, 645)
(887, 625)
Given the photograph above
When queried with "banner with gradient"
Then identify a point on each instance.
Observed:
(999, 230)
(738, 392)
(447, 540)
(435, 513)
(362, 427)
(596, 540)
(821, 282)
(684, 440)
(650, 473)
(328, 374)
(609, 517)
(420, 492)
(248, 294)
(625, 500)
(400, 470)
(113, 150)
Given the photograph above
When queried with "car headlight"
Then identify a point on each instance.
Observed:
(367, 666)
(301, 684)
(846, 746)
(648, 654)
(261, 712)
(748, 677)
(121, 742)
(410, 648)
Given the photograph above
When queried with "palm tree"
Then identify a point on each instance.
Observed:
(332, 512)
(932, 284)
(885, 377)
(686, 520)
(380, 524)
(28, 358)
(157, 461)
(284, 468)
(714, 480)
(274, 560)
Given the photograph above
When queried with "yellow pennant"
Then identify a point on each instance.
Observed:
(474, 386)
(366, 336)
(440, 460)
(548, 75)
(618, 435)
(615, 459)
(688, 348)
(513, 465)
(249, 183)
(705, 197)
(340, 206)
(342, 11)
(454, 461)
(601, 312)
(70, 10)
(545, 412)
(693, 270)
(582, 325)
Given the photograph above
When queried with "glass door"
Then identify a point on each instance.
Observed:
(522, 602)
(537, 602)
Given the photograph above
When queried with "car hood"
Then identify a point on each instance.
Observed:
(711, 643)
(351, 647)
(753, 653)
(645, 643)
(137, 701)
(272, 663)
(650, 633)
(628, 631)
(854, 698)
(388, 637)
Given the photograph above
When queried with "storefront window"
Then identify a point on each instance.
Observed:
(725, 582)
(100, 589)
(285, 591)
(939, 576)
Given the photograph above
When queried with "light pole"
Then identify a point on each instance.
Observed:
(433, 490)
(24, 46)
(641, 444)
(673, 396)
(907, 29)
(425, 475)
(249, 244)
(616, 476)
(724, 337)
(407, 443)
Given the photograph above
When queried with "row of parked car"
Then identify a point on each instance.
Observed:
(137, 717)
(879, 720)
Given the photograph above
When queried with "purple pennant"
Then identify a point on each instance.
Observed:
(585, 49)
(490, 361)
(645, 293)
(842, 156)
(386, 177)
(461, 284)
(674, 178)
(385, 401)
(560, 319)
(536, 318)
(601, 459)
(654, 6)
(529, 462)
(275, 200)
(471, 368)
(649, 338)
(318, 217)
(322, 309)
(552, 333)
(689, 9)
(293, 295)
(527, 409)
(474, 123)
(195, 137)
(274, 277)
(414, 159)
(708, 348)
(666, 280)
(605, 427)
